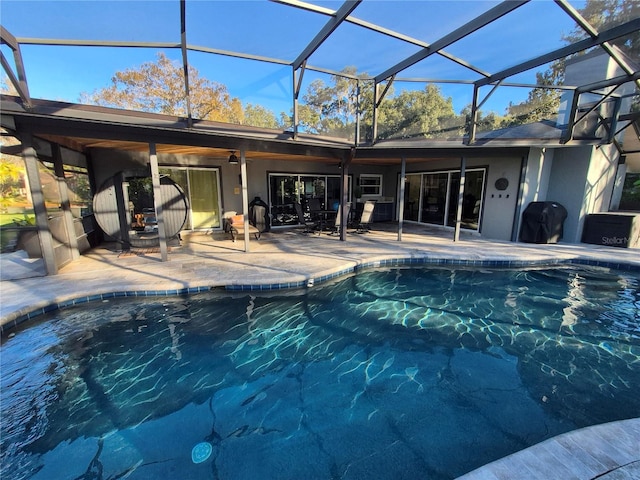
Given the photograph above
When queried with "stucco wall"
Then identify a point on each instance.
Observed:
(567, 186)
(499, 206)
(582, 180)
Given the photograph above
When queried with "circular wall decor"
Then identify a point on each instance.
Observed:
(112, 217)
(502, 183)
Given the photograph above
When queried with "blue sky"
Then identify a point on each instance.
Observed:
(270, 29)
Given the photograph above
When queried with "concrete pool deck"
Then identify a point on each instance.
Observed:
(290, 258)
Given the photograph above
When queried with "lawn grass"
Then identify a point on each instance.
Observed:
(9, 225)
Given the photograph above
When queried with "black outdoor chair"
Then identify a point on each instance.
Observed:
(309, 225)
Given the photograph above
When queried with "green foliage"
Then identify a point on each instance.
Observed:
(541, 103)
(630, 199)
(414, 113)
(259, 116)
(604, 14)
(159, 87)
(330, 109)
(10, 181)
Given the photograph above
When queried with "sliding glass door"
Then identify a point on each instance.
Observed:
(472, 200)
(432, 197)
(313, 192)
(202, 188)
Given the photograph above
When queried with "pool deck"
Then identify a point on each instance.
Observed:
(290, 259)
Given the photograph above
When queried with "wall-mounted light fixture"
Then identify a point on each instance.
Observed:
(233, 160)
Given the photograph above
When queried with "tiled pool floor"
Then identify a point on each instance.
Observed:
(290, 258)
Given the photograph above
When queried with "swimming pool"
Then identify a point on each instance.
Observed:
(389, 373)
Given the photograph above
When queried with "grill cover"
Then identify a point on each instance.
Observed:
(542, 222)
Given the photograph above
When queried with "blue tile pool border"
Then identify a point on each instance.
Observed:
(372, 264)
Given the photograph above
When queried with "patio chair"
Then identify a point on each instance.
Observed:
(363, 225)
(234, 225)
(314, 207)
(338, 220)
(309, 225)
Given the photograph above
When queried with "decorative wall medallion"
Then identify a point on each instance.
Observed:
(502, 183)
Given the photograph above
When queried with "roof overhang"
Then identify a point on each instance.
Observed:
(83, 127)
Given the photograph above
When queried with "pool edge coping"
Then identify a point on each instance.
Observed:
(15, 318)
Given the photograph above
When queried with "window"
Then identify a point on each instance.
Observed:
(370, 185)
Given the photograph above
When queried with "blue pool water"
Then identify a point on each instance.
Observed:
(387, 374)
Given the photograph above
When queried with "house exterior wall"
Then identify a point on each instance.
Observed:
(536, 179)
(579, 178)
(499, 206)
(582, 180)
(567, 187)
(108, 162)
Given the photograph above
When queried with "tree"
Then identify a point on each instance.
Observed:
(259, 116)
(543, 103)
(424, 113)
(11, 181)
(604, 14)
(6, 86)
(159, 87)
(484, 123)
(331, 109)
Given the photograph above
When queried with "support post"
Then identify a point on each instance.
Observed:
(374, 123)
(357, 140)
(463, 166)
(401, 199)
(344, 194)
(158, 201)
(30, 158)
(245, 197)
